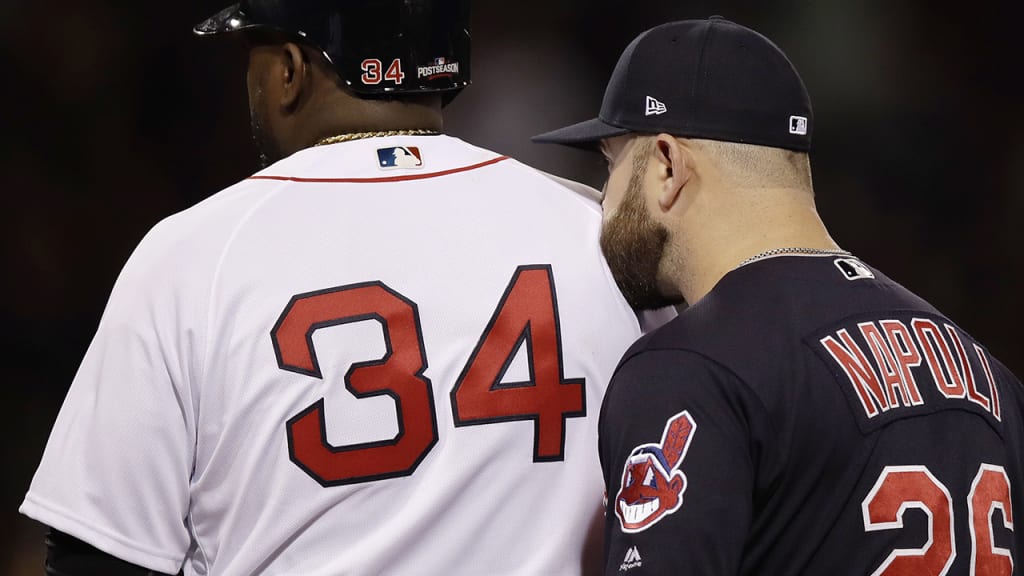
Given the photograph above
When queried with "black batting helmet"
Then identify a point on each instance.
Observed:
(377, 46)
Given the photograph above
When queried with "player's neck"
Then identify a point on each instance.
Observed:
(364, 115)
(716, 251)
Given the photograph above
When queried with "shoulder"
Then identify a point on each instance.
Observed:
(659, 380)
(652, 388)
(758, 314)
(589, 193)
(743, 332)
(548, 183)
(707, 331)
(668, 371)
(577, 192)
(183, 249)
(215, 216)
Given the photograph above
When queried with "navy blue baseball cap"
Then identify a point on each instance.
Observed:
(710, 79)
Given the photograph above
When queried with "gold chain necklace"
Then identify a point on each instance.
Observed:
(380, 134)
(780, 251)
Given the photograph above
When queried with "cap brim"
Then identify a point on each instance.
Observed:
(230, 19)
(582, 135)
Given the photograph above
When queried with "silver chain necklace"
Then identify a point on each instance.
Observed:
(780, 251)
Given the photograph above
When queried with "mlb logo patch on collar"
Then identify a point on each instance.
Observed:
(853, 269)
(395, 157)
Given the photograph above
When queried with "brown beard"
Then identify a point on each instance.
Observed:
(634, 244)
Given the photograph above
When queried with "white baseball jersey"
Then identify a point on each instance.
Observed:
(384, 356)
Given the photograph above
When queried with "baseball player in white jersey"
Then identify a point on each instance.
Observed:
(382, 354)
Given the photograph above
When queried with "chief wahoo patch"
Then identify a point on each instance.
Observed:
(652, 484)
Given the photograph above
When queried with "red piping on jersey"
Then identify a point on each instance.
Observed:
(383, 178)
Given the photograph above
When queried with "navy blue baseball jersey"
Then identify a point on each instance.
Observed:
(811, 416)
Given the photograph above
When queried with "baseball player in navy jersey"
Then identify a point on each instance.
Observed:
(805, 414)
(378, 355)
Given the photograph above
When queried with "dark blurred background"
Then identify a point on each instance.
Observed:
(114, 116)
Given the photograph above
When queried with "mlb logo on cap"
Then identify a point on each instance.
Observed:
(798, 125)
(399, 157)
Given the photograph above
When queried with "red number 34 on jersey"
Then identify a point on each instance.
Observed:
(527, 315)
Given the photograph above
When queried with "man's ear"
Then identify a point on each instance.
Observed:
(294, 75)
(675, 162)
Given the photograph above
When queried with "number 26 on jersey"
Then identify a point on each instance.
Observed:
(526, 315)
(899, 488)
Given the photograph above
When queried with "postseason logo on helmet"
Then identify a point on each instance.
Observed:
(439, 68)
(399, 157)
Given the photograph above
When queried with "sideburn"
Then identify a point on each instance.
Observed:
(634, 244)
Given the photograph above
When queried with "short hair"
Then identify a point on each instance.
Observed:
(752, 166)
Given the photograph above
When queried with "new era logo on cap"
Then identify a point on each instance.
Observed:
(654, 107)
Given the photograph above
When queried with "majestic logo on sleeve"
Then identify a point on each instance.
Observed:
(652, 484)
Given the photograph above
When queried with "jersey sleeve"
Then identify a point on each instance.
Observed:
(69, 556)
(115, 472)
(679, 466)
